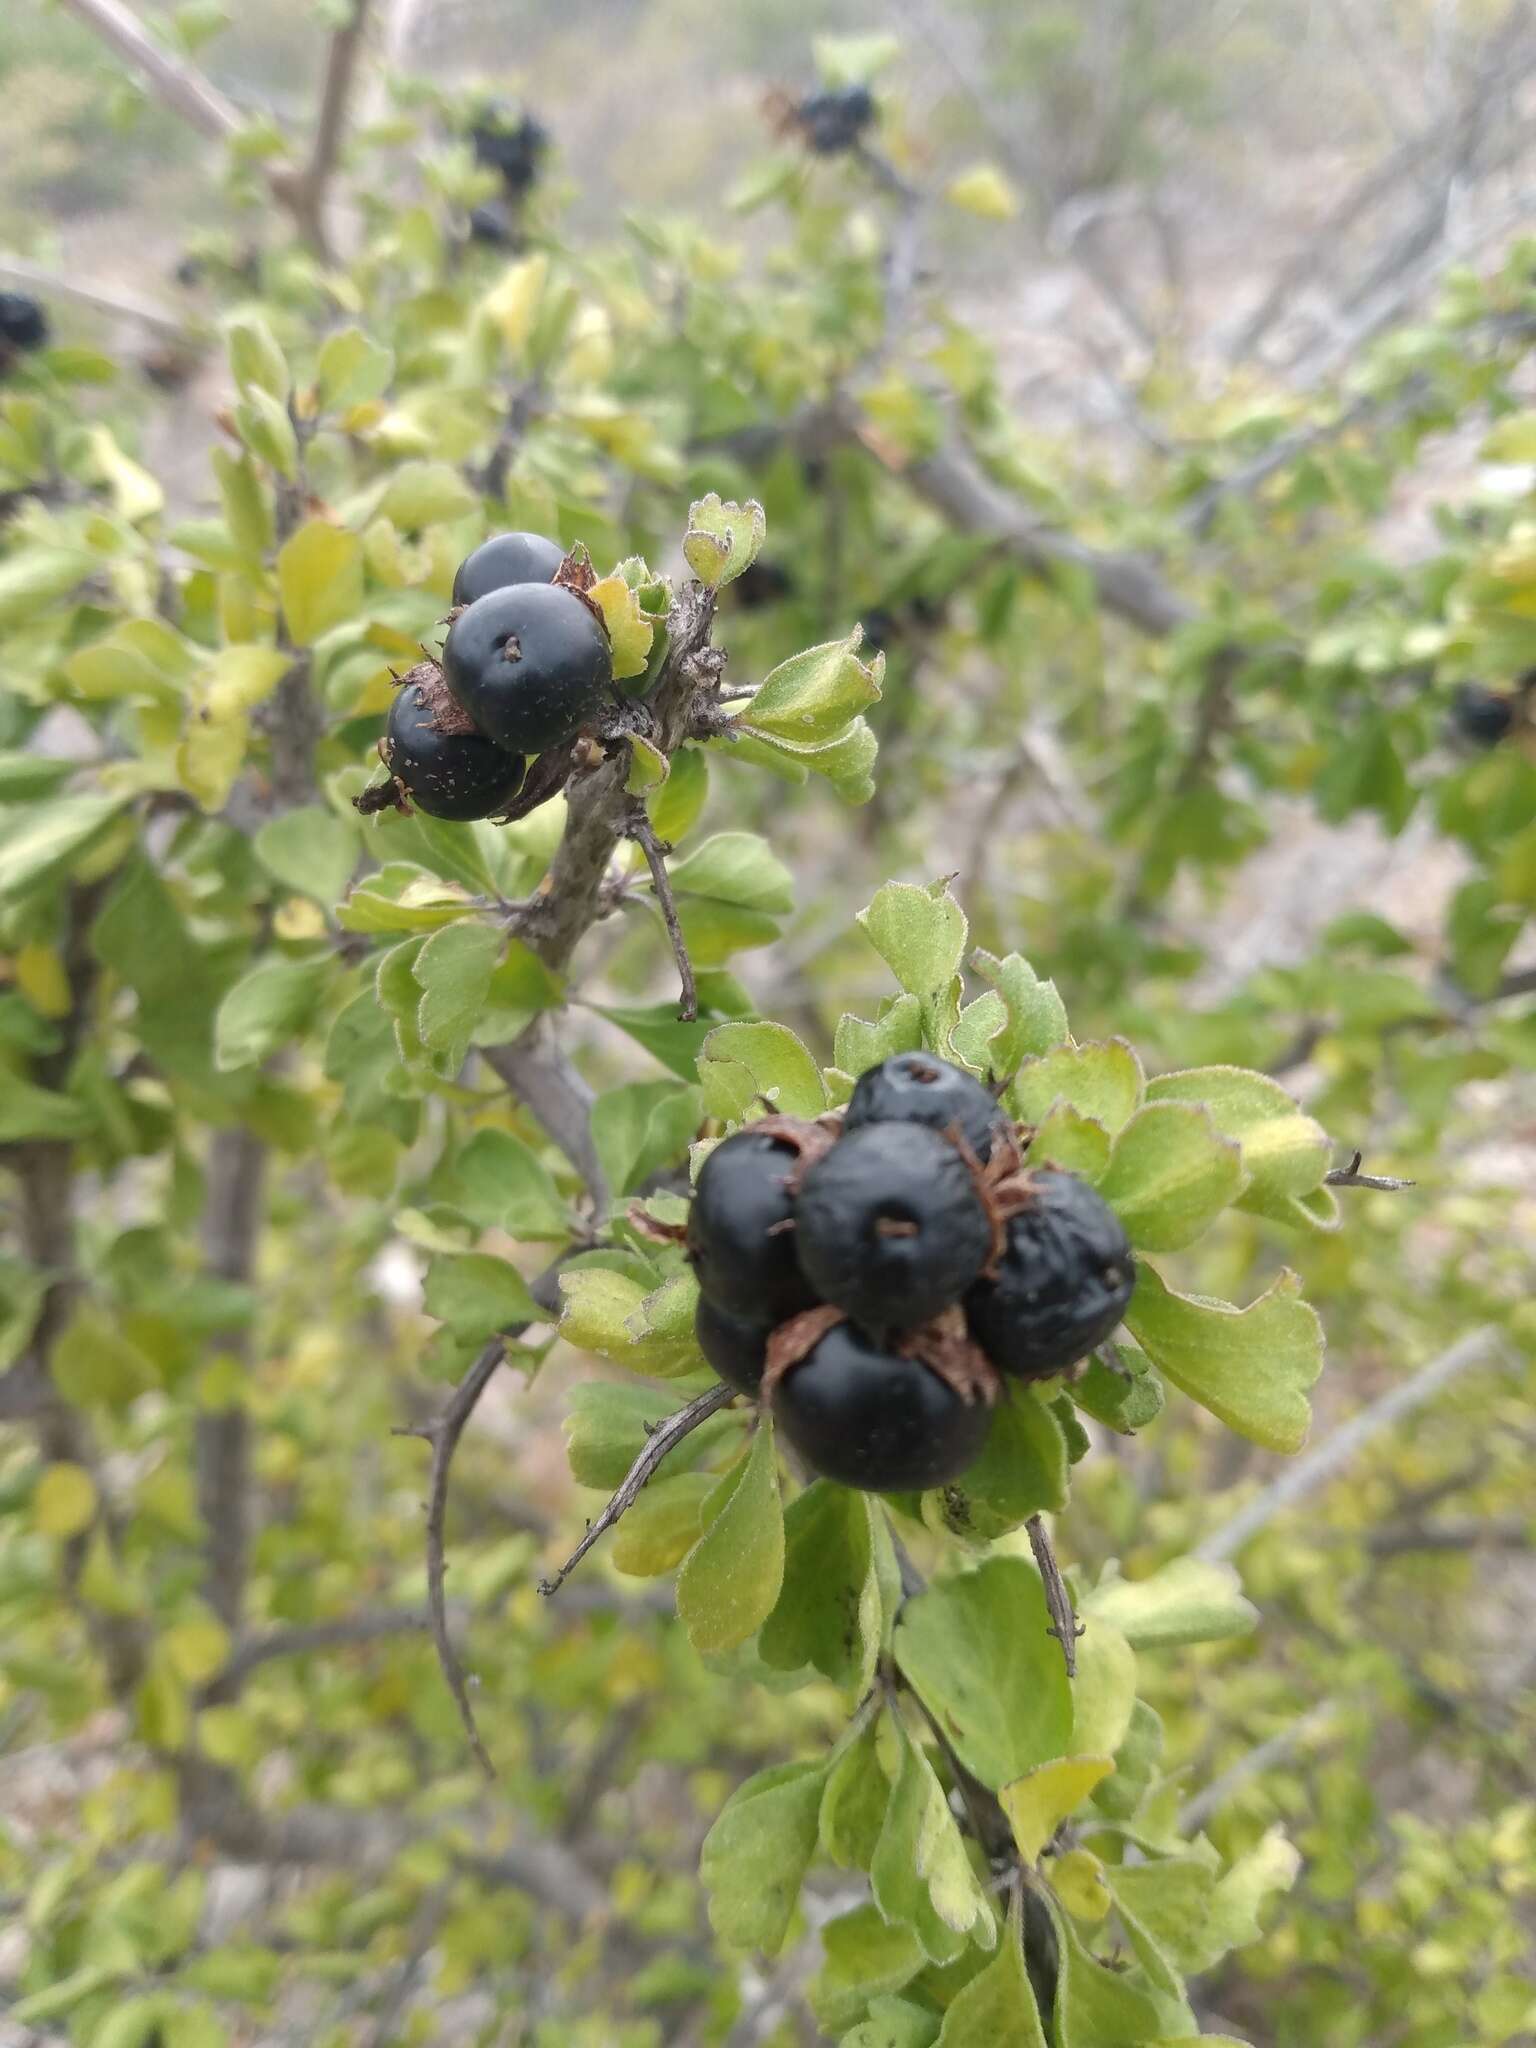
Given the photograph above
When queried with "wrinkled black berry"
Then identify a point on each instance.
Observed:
(890, 1227)
(447, 775)
(741, 1235)
(734, 1347)
(505, 559)
(916, 1088)
(529, 663)
(868, 1418)
(511, 145)
(1480, 715)
(23, 323)
(1063, 1283)
(835, 119)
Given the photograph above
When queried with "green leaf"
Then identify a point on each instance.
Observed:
(1103, 1082)
(755, 1857)
(1251, 1367)
(1188, 1601)
(858, 1792)
(864, 1959)
(401, 897)
(921, 1875)
(422, 494)
(1038, 1803)
(319, 580)
(647, 767)
(1022, 1471)
(263, 424)
(1096, 2007)
(984, 191)
(24, 776)
(40, 842)
(477, 1295)
(1136, 1764)
(95, 1365)
(1171, 1900)
(1066, 1138)
(998, 2006)
(895, 2023)
(1103, 1690)
(1270, 1866)
(675, 1044)
(737, 868)
(1170, 1175)
(857, 1046)
(30, 1112)
(919, 933)
(676, 804)
(722, 539)
(854, 59)
(1285, 1153)
(604, 1312)
(975, 1648)
(663, 1525)
(642, 1126)
(730, 1580)
(811, 698)
(1124, 1400)
(1037, 1017)
(309, 850)
(630, 634)
(453, 971)
(352, 369)
(828, 1613)
(256, 360)
(740, 1062)
(500, 1183)
(271, 1005)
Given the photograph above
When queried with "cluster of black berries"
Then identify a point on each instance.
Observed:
(23, 326)
(875, 1276)
(524, 668)
(1483, 717)
(834, 120)
(511, 144)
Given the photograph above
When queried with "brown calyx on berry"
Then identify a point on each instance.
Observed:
(946, 1348)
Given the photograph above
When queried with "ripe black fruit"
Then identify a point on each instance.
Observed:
(916, 1088)
(868, 1418)
(735, 1348)
(529, 663)
(740, 1230)
(761, 583)
(890, 1226)
(1480, 715)
(23, 323)
(489, 226)
(446, 774)
(512, 146)
(1063, 1283)
(505, 559)
(834, 120)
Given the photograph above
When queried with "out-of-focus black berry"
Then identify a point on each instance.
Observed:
(1063, 1283)
(916, 1088)
(505, 559)
(511, 144)
(869, 1418)
(761, 583)
(735, 1347)
(529, 663)
(489, 226)
(890, 1228)
(741, 1235)
(881, 627)
(23, 323)
(834, 120)
(1481, 715)
(446, 774)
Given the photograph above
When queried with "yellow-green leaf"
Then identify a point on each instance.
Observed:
(730, 1580)
(320, 579)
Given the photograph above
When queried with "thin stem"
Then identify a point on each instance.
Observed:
(1065, 1626)
(1351, 1177)
(659, 1445)
(643, 833)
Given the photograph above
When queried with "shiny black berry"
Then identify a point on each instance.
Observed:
(529, 664)
(511, 145)
(446, 774)
(23, 323)
(505, 559)
(916, 1088)
(735, 1347)
(890, 1227)
(741, 1235)
(1063, 1283)
(1480, 715)
(834, 120)
(866, 1417)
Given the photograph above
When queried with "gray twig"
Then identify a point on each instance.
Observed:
(1351, 1177)
(643, 833)
(659, 1445)
(1065, 1626)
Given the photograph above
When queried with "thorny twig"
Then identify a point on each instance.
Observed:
(1065, 1626)
(643, 833)
(659, 1445)
(1351, 1177)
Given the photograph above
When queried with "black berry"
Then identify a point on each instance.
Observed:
(916, 1088)
(834, 120)
(23, 323)
(505, 559)
(890, 1227)
(511, 145)
(490, 226)
(734, 1347)
(881, 627)
(869, 1418)
(529, 663)
(1480, 715)
(741, 1235)
(1063, 1283)
(446, 774)
(761, 583)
